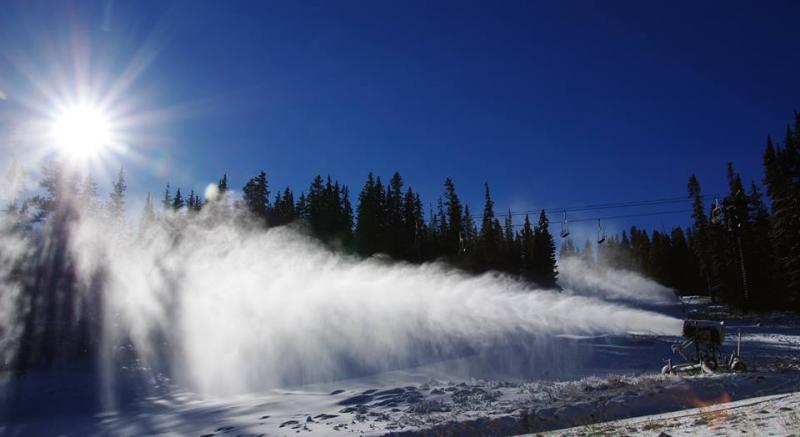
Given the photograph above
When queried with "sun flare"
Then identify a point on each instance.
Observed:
(82, 131)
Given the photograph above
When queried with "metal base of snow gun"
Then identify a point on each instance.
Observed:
(702, 350)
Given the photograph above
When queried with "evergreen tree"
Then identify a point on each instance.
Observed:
(490, 235)
(256, 196)
(394, 216)
(587, 254)
(190, 201)
(567, 249)
(178, 202)
(658, 258)
(782, 179)
(329, 212)
(222, 185)
(301, 209)
(733, 237)
(166, 200)
(640, 248)
(625, 260)
(701, 235)
(442, 229)
(413, 226)
(314, 202)
(434, 232)
(345, 231)
(510, 249)
(369, 213)
(284, 210)
(58, 192)
(684, 266)
(88, 194)
(194, 204)
(543, 260)
(453, 209)
(468, 242)
(527, 243)
(116, 205)
(762, 268)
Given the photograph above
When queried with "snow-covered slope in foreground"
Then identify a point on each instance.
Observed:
(765, 415)
(610, 378)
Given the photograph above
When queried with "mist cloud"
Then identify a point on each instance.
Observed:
(237, 308)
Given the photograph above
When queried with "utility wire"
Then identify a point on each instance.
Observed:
(614, 205)
(603, 206)
(645, 214)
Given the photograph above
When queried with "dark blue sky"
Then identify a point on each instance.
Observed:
(554, 103)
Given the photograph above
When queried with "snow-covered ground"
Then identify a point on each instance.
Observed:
(510, 389)
(765, 415)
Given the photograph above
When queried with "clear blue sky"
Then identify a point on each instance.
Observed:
(554, 103)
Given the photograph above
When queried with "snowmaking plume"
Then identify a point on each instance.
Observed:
(238, 308)
(579, 277)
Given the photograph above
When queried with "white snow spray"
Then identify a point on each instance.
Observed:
(235, 308)
(222, 306)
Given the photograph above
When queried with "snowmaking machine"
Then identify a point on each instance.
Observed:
(702, 350)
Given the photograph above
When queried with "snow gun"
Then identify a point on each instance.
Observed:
(702, 349)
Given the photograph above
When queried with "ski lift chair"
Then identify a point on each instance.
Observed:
(564, 226)
(601, 233)
(716, 212)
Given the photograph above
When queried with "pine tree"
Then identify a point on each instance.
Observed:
(166, 200)
(510, 248)
(701, 235)
(455, 213)
(782, 179)
(369, 213)
(658, 258)
(178, 202)
(762, 266)
(194, 204)
(567, 249)
(490, 235)
(284, 210)
(587, 254)
(734, 241)
(88, 194)
(328, 214)
(432, 248)
(544, 266)
(222, 185)
(57, 192)
(190, 202)
(301, 208)
(527, 243)
(469, 241)
(381, 237)
(116, 204)
(625, 260)
(413, 226)
(256, 196)
(345, 232)
(394, 216)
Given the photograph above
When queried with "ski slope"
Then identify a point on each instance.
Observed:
(764, 415)
(505, 390)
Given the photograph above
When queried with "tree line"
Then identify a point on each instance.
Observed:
(747, 253)
(390, 219)
(740, 249)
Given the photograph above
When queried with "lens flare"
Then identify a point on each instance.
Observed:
(82, 132)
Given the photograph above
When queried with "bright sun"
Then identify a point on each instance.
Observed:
(81, 132)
